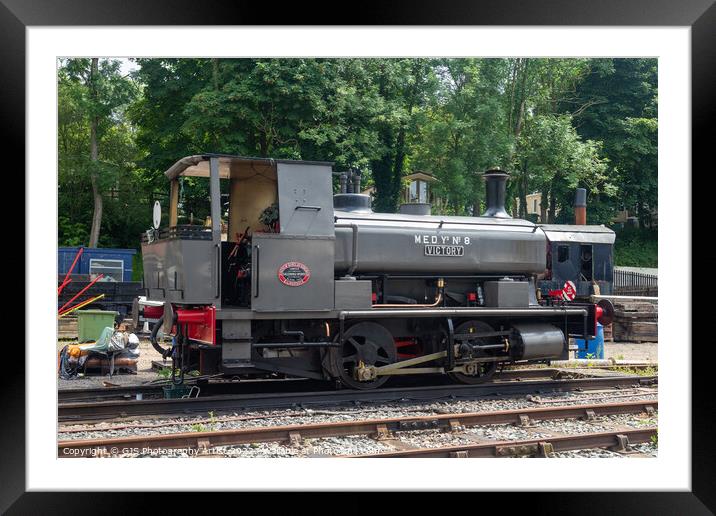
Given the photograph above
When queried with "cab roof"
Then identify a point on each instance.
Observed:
(198, 165)
(595, 234)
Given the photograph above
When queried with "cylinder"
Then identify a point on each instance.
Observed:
(537, 341)
(495, 187)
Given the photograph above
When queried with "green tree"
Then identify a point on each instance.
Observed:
(95, 145)
(462, 132)
(536, 87)
(616, 103)
(357, 112)
(288, 108)
(559, 161)
(404, 87)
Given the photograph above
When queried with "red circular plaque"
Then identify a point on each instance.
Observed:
(294, 274)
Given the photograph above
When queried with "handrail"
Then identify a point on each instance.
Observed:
(354, 250)
(438, 223)
(256, 259)
(461, 312)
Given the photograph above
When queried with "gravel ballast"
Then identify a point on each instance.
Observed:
(252, 419)
(361, 445)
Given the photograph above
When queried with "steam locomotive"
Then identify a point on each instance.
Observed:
(305, 283)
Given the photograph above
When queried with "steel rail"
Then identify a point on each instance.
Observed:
(244, 386)
(94, 411)
(617, 440)
(378, 427)
(128, 392)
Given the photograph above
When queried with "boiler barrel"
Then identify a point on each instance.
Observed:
(400, 244)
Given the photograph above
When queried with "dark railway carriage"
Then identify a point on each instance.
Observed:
(304, 283)
(580, 254)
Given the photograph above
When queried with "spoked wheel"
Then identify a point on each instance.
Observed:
(482, 371)
(365, 342)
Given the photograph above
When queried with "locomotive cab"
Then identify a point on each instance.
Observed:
(275, 236)
(277, 211)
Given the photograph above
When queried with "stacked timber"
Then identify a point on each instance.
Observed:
(608, 333)
(67, 328)
(635, 321)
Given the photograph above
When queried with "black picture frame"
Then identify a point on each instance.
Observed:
(700, 15)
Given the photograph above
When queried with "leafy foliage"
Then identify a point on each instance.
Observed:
(123, 203)
(554, 124)
(636, 248)
(619, 107)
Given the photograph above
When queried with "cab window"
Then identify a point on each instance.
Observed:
(562, 253)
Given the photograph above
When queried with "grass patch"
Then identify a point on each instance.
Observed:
(639, 371)
(165, 373)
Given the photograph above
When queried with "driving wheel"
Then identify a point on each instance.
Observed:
(368, 343)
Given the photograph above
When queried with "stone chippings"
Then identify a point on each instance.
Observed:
(309, 416)
(359, 445)
(592, 453)
(600, 424)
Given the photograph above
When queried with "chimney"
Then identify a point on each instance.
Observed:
(495, 186)
(356, 182)
(580, 206)
(350, 198)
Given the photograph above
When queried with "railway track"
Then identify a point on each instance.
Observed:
(155, 390)
(222, 386)
(73, 411)
(383, 428)
(618, 440)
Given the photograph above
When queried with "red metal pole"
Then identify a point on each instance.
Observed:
(80, 305)
(80, 292)
(72, 267)
(64, 284)
(67, 278)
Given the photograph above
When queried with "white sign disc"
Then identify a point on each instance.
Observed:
(569, 291)
(157, 215)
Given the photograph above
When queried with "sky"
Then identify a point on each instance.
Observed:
(127, 65)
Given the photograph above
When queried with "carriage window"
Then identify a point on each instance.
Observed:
(113, 270)
(562, 253)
